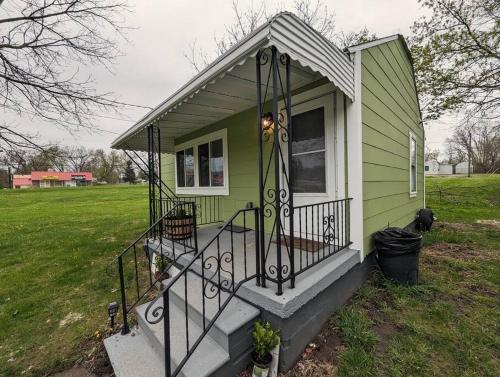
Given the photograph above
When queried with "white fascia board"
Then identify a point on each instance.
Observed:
(376, 42)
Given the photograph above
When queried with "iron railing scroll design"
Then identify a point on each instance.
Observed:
(321, 230)
(136, 262)
(275, 175)
(219, 280)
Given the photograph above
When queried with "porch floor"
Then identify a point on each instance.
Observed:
(307, 284)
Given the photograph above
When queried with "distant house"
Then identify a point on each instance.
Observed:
(463, 168)
(20, 181)
(433, 167)
(46, 179)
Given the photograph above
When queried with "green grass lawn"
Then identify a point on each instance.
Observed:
(55, 245)
(448, 325)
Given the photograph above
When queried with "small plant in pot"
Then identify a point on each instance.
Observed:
(265, 339)
(179, 225)
(162, 263)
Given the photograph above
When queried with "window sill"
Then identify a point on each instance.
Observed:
(413, 194)
(203, 191)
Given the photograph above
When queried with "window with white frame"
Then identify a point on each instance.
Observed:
(201, 165)
(413, 164)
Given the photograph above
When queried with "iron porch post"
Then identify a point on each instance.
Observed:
(150, 177)
(159, 171)
(261, 255)
(277, 183)
(290, 171)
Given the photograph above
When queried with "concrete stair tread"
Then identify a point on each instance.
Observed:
(236, 314)
(208, 356)
(132, 356)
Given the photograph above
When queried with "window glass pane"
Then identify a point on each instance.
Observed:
(189, 167)
(413, 163)
(308, 131)
(309, 173)
(180, 169)
(217, 163)
(203, 165)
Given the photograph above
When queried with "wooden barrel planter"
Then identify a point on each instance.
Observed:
(179, 228)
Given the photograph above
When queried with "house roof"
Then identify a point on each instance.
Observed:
(228, 85)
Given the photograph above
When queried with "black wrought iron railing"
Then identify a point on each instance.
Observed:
(321, 230)
(147, 260)
(311, 233)
(208, 207)
(214, 265)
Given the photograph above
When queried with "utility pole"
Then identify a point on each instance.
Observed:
(10, 177)
(470, 148)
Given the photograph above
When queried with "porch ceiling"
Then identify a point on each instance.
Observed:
(228, 85)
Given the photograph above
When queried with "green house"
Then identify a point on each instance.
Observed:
(269, 171)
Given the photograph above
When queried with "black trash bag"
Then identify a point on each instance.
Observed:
(424, 220)
(398, 254)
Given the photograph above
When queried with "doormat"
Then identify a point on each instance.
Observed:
(303, 244)
(236, 228)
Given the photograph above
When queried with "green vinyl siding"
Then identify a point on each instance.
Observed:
(242, 158)
(389, 112)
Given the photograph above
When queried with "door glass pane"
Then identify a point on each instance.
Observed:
(309, 173)
(189, 167)
(308, 131)
(180, 169)
(203, 165)
(217, 163)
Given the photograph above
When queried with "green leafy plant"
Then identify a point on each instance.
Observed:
(265, 339)
(179, 214)
(162, 263)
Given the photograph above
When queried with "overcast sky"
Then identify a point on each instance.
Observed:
(153, 65)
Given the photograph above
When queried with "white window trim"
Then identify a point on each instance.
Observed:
(322, 96)
(194, 143)
(411, 137)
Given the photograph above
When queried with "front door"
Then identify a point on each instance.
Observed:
(313, 166)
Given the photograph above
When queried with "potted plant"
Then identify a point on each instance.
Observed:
(162, 263)
(179, 225)
(265, 340)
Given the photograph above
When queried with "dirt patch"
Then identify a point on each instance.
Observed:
(492, 223)
(70, 318)
(458, 251)
(461, 227)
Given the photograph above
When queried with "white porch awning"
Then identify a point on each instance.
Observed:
(228, 85)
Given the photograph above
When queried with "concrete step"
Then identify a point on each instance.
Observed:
(131, 355)
(232, 330)
(208, 357)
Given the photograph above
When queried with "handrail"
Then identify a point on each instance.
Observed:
(153, 231)
(162, 311)
(187, 266)
(147, 231)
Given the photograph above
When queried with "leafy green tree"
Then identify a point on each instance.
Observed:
(456, 51)
(129, 175)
